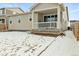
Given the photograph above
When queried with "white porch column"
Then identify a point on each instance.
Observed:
(32, 20)
(58, 18)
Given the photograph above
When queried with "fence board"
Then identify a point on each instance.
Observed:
(75, 28)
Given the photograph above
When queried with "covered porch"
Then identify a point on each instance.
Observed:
(47, 20)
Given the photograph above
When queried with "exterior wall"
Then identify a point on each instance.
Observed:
(9, 12)
(40, 17)
(44, 6)
(25, 23)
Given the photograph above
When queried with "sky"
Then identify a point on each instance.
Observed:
(73, 8)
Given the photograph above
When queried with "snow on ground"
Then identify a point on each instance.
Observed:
(27, 44)
(22, 43)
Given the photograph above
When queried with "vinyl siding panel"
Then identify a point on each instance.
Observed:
(25, 23)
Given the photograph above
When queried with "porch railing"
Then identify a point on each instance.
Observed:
(47, 25)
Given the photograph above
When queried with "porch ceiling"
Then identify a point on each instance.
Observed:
(48, 11)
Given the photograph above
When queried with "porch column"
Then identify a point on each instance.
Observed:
(32, 20)
(58, 18)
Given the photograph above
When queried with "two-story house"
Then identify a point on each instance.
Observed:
(4, 12)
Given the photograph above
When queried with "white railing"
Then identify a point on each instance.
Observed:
(47, 24)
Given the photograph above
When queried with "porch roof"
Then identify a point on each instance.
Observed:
(36, 4)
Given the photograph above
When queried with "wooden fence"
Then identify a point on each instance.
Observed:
(3, 27)
(75, 29)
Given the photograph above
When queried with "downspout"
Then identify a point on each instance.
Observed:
(68, 22)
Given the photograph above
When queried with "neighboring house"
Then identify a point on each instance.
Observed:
(41, 17)
(72, 22)
(49, 17)
(4, 12)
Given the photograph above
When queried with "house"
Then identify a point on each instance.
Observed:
(72, 22)
(4, 12)
(49, 17)
(41, 17)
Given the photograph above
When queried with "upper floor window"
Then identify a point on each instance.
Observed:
(14, 12)
(1, 12)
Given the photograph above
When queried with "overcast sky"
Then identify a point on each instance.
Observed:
(72, 7)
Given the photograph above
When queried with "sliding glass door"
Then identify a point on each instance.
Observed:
(50, 18)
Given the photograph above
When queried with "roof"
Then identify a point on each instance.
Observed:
(15, 9)
(19, 14)
(74, 20)
(36, 4)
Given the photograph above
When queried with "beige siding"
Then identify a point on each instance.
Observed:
(9, 12)
(25, 23)
(40, 17)
(43, 6)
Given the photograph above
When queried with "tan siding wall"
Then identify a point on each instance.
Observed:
(9, 12)
(25, 23)
(40, 17)
(45, 6)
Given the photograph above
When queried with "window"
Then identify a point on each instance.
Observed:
(1, 12)
(30, 19)
(45, 18)
(10, 22)
(14, 12)
(2, 20)
(19, 21)
(50, 18)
